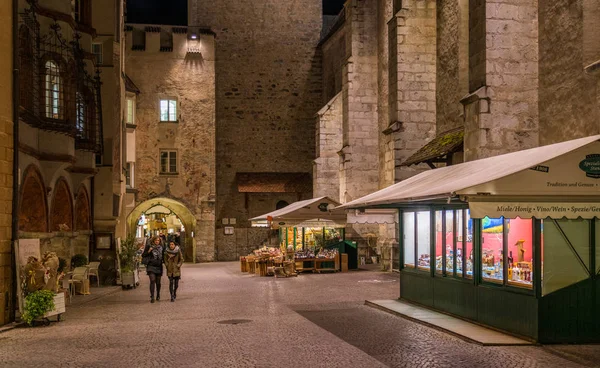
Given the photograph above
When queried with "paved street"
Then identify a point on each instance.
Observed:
(311, 320)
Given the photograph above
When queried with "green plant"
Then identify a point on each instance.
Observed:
(37, 304)
(127, 254)
(62, 263)
(78, 260)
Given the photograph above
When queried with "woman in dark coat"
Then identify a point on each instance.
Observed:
(154, 256)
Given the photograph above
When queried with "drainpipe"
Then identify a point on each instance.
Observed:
(92, 241)
(15, 172)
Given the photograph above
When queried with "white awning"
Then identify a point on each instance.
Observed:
(316, 212)
(568, 169)
(373, 216)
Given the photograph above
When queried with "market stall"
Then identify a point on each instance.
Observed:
(511, 241)
(308, 229)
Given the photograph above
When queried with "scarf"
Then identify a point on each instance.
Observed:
(157, 251)
(174, 252)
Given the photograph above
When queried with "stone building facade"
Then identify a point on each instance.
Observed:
(109, 189)
(268, 78)
(507, 75)
(60, 126)
(175, 64)
(246, 78)
(6, 164)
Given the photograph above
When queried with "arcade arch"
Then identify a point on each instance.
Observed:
(167, 216)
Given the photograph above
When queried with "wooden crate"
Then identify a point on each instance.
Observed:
(344, 262)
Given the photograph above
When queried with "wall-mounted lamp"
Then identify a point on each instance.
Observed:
(193, 36)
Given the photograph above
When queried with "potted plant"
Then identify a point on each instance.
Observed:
(78, 260)
(128, 263)
(39, 304)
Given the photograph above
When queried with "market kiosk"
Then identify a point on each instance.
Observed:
(510, 241)
(308, 229)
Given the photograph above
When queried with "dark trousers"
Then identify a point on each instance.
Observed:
(154, 282)
(173, 285)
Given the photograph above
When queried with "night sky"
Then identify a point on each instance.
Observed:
(174, 12)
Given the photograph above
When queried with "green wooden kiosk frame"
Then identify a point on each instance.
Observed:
(556, 189)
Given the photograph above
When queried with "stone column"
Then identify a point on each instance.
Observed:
(501, 112)
(329, 141)
(412, 79)
(360, 155)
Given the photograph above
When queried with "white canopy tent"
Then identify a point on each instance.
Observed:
(315, 212)
(558, 180)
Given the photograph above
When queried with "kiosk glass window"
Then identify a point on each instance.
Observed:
(459, 242)
(469, 245)
(424, 239)
(449, 236)
(408, 227)
(520, 252)
(565, 253)
(290, 236)
(313, 237)
(439, 229)
(492, 246)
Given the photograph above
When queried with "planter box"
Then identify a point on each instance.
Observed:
(130, 279)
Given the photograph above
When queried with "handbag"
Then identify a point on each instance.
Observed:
(146, 259)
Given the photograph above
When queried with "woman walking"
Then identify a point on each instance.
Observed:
(173, 261)
(153, 258)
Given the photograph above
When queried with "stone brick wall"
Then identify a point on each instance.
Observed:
(334, 58)
(450, 59)
(359, 98)
(190, 79)
(412, 91)
(386, 146)
(477, 44)
(503, 116)
(567, 95)
(6, 162)
(269, 86)
(326, 173)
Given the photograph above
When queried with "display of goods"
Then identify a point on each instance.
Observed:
(424, 260)
(327, 253)
(303, 254)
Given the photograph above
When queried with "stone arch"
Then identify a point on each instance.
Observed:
(33, 206)
(181, 210)
(62, 207)
(82, 210)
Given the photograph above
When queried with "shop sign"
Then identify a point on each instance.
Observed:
(591, 166)
(537, 210)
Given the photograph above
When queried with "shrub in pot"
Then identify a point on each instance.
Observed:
(79, 260)
(37, 304)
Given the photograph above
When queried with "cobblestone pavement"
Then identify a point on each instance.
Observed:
(311, 320)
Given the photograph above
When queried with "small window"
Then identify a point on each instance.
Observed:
(53, 91)
(129, 174)
(130, 111)
(78, 10)
(168, 110)
(168, 162)
(98, 159)
(97, 51)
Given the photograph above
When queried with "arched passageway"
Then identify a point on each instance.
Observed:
(167, 216)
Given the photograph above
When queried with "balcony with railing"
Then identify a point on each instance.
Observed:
(57, 93)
